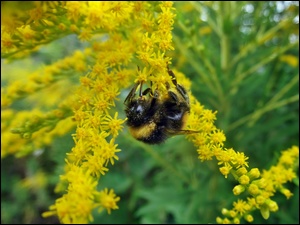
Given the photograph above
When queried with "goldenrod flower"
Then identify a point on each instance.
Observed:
(253, 189)
(241, 206)
(263, 186)
(238, 189)
(7, 42)
(124, 42)
(108, 200)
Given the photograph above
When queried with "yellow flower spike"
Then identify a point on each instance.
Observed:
(109, 152)
(240, 160)
(286, 192)
(260, 199)
(254, 173)
(238, 189)
(113, 125)
(167, 5)
(253, 189)
(79, 115)
(244, 179)
(241, 171)
(226, 221)
(252, 202)
(85, 81)
(240, 206)
(225, 211)
(78, 153)
(225, 170)
(111, 93)
(97, 139)
(74, 10)
(108, 200)
(262, 189)
(236, 221)
(121, 10)
(261, 183)
(159, 81)
(101, 104)
(289, 175)
(142, 75)
(150, 41)
(205, 153)
(249, 218)
(26, 32)
(232, 213)
(219, 220)
(100, 68)
(94, 121)
(7, 43)
(272, 205)
(76, 206)
(165, 19)
(74, 28)
(81, 133)
(208, 115)
(62, 27)
(95, 164)
(224, 157)
(166, 44)
(217, 137)
(85, 34)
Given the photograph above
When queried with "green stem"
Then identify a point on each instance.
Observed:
(285, 89)
(258, 113)
(195, 64)
(240, 77)
(253, 45)
(163, 162)
(211, 23)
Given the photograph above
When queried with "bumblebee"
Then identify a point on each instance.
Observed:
(154, 117)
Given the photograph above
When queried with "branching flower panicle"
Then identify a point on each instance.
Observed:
(260, 185)
(101, 71)
(120, 43)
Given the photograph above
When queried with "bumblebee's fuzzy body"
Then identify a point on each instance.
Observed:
(154, 117)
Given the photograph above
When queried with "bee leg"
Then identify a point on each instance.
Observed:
(131, 93)
(170, 72)
(140, 93)
(173, 96)
(145, 92)
(183, 93)
(148, 90)
(179, 88)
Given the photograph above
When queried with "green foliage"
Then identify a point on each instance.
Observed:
(233, 52)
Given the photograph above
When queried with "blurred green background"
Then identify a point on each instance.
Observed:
(243, 61)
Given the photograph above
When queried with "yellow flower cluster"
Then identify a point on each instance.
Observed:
(25, 27)
(122, 38)
(46, 88)
(261, 187)
(77, 204)
(96, 129)
(36, 132)
(118, 33)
